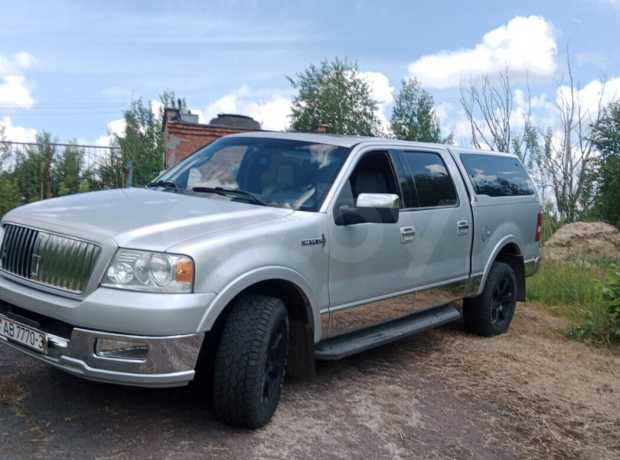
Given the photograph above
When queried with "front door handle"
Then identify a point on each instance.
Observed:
(407, 234)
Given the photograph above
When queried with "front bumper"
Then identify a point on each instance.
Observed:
(169, 361)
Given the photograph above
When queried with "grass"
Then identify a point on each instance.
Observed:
(573, 290)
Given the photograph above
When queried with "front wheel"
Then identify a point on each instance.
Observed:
(491, 312)
(250, 362)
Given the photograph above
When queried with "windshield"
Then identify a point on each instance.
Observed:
(275, 172)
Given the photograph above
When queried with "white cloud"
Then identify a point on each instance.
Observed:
(16, 133)
(272, 111)
(523, 44)
(592, 94)
(16, 63)
(382, 92)
(24, 60)
(113, 129)
(14, 93)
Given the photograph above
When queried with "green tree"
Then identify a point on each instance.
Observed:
(111, 171)
(34, 170)
(68, 170)
(142, 144)
(606, 138)
(413, 116)
(9, 194)
(334, 94)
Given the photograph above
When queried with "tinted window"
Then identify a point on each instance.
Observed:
(433, 183)
(497, 176)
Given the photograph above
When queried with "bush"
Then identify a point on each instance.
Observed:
(606, 326)
(569, 289)
(582, 293)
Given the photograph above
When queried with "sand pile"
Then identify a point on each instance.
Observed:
(588, 240)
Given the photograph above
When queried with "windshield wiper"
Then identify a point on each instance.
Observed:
(167, 184)
(229, 191)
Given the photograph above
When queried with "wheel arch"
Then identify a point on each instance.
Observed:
(286, 285)
(508, 251)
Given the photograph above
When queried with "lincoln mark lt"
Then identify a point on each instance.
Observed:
(262, 253)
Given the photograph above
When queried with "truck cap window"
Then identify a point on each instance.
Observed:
(433, 183)
(495, 175)
(276, 172)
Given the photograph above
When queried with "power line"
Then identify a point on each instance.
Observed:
(57, 144)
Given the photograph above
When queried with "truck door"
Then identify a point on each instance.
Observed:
(438, 217)
(368, 262)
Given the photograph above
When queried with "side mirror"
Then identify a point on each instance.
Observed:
(378, 201)
(377, 208)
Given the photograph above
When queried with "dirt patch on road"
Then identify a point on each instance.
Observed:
(561, 397)
(11, 392)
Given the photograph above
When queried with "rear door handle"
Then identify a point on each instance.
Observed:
(407, 234)
(461, 227)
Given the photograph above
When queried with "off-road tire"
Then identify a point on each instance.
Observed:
(246, 385)
(491, 312)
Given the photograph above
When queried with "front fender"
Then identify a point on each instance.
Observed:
(252, 277)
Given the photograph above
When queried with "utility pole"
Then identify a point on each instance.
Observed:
(129, 173)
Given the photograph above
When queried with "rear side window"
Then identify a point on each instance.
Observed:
(433, 183)
(497, 176)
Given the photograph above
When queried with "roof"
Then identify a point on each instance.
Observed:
(232, 120)
(351, 141)
(319, 138)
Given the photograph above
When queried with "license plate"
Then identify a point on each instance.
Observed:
(22, 334)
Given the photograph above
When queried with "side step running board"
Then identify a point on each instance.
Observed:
(356, 342)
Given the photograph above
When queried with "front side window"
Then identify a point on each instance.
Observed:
(433, 184)
(372, 174)
(495, 175)
(276, 172)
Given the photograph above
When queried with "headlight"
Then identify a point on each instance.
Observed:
(150, 272)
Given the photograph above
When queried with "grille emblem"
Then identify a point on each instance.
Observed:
(36, 262)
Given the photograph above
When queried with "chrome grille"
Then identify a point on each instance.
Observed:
(46, 258)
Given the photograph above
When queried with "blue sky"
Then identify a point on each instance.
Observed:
(71, 67)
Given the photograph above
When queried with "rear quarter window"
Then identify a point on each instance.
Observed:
(495, 175)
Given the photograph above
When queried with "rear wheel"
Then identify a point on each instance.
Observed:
(491, 312)
(250, 362)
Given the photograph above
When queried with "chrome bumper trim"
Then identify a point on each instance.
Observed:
(531, 266)
(170, 362)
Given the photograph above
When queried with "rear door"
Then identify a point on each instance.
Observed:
(438, 213)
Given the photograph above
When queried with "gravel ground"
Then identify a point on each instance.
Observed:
(443, 394)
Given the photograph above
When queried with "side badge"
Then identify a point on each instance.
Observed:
(315, 241)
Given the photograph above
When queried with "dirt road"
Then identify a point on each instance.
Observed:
(442, 394)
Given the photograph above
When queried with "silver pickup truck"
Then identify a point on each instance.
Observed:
(263, 252)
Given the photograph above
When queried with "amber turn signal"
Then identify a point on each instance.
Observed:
(185, 271)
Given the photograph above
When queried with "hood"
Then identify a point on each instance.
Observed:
(141, 218)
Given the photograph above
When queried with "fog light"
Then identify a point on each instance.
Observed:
(130, 350)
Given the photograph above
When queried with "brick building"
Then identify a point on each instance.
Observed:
(184, 135)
